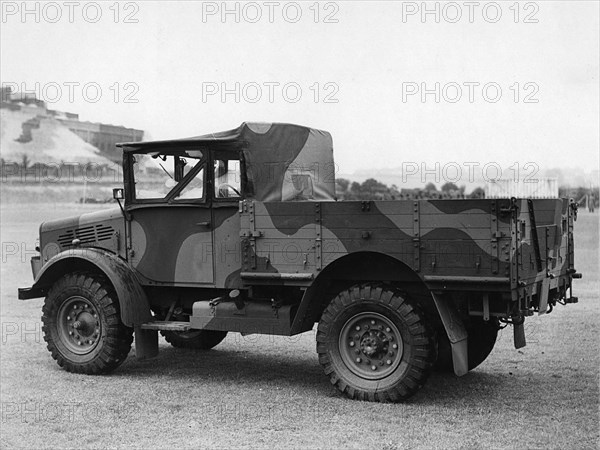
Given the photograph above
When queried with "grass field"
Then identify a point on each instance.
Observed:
(270, 392)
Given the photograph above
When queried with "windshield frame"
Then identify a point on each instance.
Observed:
(170, 197)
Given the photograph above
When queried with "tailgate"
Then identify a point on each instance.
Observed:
(541, 251)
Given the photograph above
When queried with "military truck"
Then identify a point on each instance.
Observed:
(240, 231)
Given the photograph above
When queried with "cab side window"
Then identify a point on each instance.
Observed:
(228, 183)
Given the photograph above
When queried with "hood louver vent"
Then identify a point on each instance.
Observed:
(86, 235)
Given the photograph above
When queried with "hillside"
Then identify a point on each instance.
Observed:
(42, 140)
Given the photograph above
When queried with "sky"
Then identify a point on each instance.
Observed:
(487, 83)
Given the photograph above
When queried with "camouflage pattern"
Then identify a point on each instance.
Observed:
(473, 241)
(542, 256)
(458, 238)
(520, 248)
(101, 229)
(282, 161)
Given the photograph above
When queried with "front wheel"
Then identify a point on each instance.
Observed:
(374, 344)
(82, 325)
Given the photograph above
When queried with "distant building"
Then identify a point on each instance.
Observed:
(100, 135)
(103, 136)
(523, 188)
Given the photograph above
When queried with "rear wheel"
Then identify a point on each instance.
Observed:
(82, 325)
(374, 344)
(482, 338)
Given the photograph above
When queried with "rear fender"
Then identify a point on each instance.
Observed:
(369, 266)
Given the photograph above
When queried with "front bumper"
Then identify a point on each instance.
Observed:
(29, 293)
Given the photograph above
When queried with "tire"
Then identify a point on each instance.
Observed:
(82, 325)
(482, 338)
(194, 339)
(374, 344)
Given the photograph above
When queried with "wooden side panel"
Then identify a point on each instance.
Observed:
(468, 238)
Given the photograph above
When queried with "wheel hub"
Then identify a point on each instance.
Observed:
(79, 325)
(374, 343)
(370, 345)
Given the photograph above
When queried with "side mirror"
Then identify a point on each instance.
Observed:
(118, 194)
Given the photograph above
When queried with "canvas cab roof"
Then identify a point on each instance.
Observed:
(282, 161)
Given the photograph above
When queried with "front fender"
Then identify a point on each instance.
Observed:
(133, 302)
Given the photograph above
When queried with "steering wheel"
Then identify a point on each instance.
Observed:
(228, 186)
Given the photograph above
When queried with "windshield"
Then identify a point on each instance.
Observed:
(160, 175)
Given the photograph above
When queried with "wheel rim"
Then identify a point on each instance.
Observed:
(370, 345)
(79, 325)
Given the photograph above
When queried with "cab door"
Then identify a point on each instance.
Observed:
(171, 227)
(227, 191)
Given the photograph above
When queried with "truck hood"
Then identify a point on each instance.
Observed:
(81, 220)
(103, 229)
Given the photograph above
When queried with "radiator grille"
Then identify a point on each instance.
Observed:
(86, 235)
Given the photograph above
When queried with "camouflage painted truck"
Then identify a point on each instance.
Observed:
(240, 231)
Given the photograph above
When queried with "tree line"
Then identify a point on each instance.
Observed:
(372, 189)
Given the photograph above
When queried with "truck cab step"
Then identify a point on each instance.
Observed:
(166, 326)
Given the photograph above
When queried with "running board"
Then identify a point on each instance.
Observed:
(248, 317)
(166, 326)
(277, 276)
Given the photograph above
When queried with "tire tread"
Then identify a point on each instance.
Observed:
(118, 339)
(422, 341)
